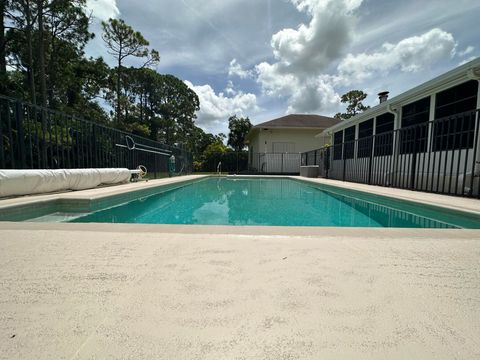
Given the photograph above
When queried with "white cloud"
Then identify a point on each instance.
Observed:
(306, 95)
(103, 9)
(467, 51)
(310, 89)
(215, 109)
(230, 88)
(408, 55)
(303, 55)
(235, 69)
(311, 47)
(315, 95)
(275, 82)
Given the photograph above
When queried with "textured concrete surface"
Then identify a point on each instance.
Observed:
(147, 292)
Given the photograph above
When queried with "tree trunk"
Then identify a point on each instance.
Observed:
(3, 51)
(31, 73)
(51, 73)
(141, 106)
(118, 89)
(41, 55)
(126, 107)
(152, 123)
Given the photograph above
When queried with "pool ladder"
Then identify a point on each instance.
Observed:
(219, 168)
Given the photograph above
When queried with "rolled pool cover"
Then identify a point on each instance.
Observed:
(25, 182)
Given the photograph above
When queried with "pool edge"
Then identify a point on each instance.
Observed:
(89, 199)
(93, 199)
(258, 231)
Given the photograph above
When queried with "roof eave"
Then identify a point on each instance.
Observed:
(289, 127)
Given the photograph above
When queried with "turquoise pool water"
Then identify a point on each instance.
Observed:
(277, 202)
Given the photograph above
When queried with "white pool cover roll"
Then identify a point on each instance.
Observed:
(24, 182)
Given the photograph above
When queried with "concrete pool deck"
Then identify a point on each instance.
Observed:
(120, 291)
(130, 291)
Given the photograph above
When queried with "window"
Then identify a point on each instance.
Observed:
(457, 99)
(349, 142)
(384, 135)
(454, 117)
(414, 131)
(365, 139)
(337, 145)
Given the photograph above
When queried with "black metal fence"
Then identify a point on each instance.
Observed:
(275, 163)
(439, 156)
(233, 162)
(320, 157)
(32, 137)
(250, 163)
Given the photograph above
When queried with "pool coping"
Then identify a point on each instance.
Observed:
(85, 199)
(89, 197)
(257, 231)
(457, 203)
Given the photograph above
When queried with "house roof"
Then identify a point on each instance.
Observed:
(299, 121)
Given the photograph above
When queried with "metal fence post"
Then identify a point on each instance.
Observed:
(413, 165)
(327, 156)
(370, 161)
(155, 166)
(44, 140)
(2, 118)
(20, 134)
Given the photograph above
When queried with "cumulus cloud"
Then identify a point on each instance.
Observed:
(408, 55)
(307, 95)
(215, 109)
(103, 9)
(230, 88)
(235, 69)
(315, 95)
(303, 54)
(311, 47)
(273, 80)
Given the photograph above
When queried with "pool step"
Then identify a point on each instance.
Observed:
(57, 217)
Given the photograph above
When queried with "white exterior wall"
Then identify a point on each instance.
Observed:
(261, 148)
(304, 140)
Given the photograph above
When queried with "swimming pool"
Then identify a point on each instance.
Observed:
(275, 202)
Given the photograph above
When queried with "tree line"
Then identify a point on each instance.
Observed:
(43, 61)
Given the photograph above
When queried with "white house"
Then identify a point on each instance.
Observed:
(424, 139)
(275, 146)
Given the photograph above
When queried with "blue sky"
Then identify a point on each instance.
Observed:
(267, 58)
